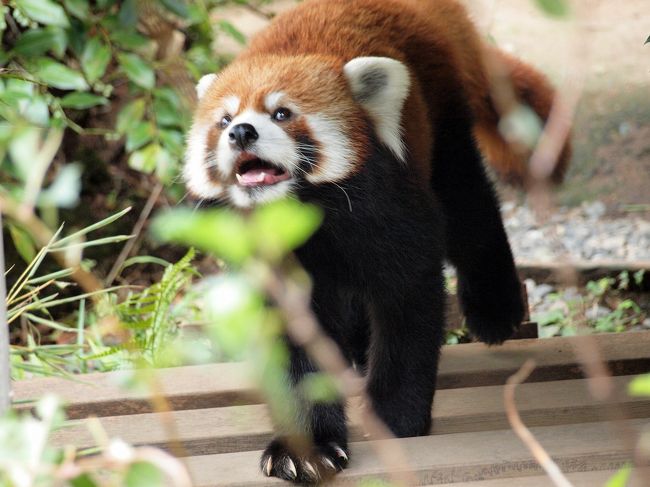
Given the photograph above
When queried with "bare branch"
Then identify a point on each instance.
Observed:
(541, 456)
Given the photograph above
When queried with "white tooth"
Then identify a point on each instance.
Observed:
(292, 468)
(239, 178)
(268, 466)
(260, 177)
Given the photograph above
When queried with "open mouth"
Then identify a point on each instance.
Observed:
(251, 171)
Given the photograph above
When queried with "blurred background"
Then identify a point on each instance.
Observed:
(95, 99)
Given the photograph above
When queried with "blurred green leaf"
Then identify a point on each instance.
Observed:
(128, 16)
(178, 7)
(640, 386)
(220, 232)
(44, 11)
(149, 158)
(81, 101)
(143, 474)
(83, 480)
(58, 75)
(36, 42)
(172, 140)
(319, 388)
(620, 478)
(130, 115)
(127, 39)
(167, 115)
(95, 58)
(555, 8)
(232, 31)
(284, 225)
(64, 190)
(23, 242)
(78, 8)
(137, 70)
(140, 134)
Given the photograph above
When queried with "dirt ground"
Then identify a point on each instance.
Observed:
(600, 42)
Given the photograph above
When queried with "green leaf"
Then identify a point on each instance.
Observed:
(640, 386)
(83, 480)
(319, 388)
(282, 226)
(137, 70)
(178, 7)
(36, 42)
(172, 140)
(78, 8)
(64, 190)
(139, 135)
(44, 11)
(221, 232)
(554, 8)
(167, 115)
(148, 159)
(23, 243)
(95, 58)
(81, 101)
(143, 474)
(230, 29)
(58, 75)
(128, 15)
(130, 115)
(620, 478)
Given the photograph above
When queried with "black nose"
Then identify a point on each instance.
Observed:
(243, 135)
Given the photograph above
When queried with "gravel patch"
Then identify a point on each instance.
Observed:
(582, 233)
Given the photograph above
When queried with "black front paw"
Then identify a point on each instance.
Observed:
(493, 311)
(319, 463)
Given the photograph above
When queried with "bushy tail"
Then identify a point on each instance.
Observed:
(531, 88)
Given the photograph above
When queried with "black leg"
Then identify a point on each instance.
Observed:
(476, 242)
(407, 333)
(318, 449)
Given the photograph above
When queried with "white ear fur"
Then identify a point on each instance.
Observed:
(381, 85)
(204, 83)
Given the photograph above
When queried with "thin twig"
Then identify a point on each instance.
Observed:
(538, 451)
(304, 330)
(42, 234)
(137, 230)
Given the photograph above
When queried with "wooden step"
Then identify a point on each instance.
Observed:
(435, 460)
(578, 479)
(227, 384)
(240, 428)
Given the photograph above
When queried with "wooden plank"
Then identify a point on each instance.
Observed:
(240, 428)
(578, 479)
(462, 457)
(225, 384)
(554, 272)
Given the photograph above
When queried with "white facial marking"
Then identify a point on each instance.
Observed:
(336, 157)
(204, 83)
(272, 100)
(381, 85)
(195, 170)
(231, 104)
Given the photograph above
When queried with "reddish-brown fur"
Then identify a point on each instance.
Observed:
(434, 38)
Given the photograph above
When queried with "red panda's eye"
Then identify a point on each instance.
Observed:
(225, 121)
(282, 114)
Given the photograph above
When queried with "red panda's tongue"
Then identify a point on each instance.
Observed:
(261, 176)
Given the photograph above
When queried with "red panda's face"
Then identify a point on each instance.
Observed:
(265, 126)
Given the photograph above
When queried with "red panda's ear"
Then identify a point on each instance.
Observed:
(381, 86)
(204, 83)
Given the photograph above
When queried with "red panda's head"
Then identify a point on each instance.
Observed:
(265, 126)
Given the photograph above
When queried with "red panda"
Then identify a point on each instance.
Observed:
(374, 110)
